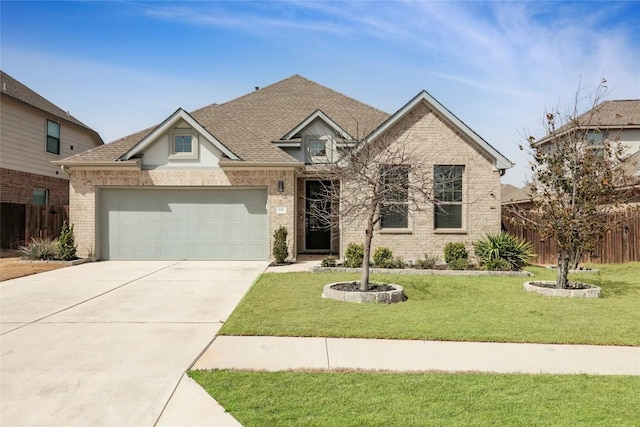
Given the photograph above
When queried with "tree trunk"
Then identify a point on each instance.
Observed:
(563, 270)
(364, 279)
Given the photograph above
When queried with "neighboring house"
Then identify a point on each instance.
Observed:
(217, 182)
(617, 121)
(34, 132)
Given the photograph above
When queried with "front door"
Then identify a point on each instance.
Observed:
(317, 216)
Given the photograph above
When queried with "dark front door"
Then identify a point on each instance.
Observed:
(317, 216)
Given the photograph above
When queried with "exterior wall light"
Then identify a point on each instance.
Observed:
(280, 186)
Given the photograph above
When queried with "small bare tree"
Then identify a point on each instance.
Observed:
(579, 177)
(377, 181)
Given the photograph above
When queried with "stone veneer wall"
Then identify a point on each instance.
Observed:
(424, 130)
(84, 183)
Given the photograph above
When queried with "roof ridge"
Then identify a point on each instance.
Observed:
(341, 94)
(46, 107)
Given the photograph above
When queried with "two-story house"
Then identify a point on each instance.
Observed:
(34, 132)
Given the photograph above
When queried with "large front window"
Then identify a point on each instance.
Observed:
(449, 196)
(394, 209)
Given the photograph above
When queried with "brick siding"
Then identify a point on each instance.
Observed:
(17, 187)
(423, 130)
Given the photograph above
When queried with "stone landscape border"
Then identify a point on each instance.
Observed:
(574, 271)
(74, 262)
(425, 272)
(590, 292)
(381, 297)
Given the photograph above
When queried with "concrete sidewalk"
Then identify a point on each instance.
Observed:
(288, 353)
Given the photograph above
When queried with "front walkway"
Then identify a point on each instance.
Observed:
(331, 354)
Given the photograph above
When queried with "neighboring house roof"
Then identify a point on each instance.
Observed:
(616, 114)
(500, 161)
(18, 91)
(513, 194)
(248, 125)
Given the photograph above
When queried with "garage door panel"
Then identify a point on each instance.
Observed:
(181, 224)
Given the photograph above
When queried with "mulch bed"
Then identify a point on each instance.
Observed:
(571, 285)
(355, 287)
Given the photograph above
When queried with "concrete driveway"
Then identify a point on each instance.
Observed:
(107, 343)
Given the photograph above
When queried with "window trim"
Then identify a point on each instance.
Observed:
(404, 202)
(461, 202)
(56, 138)
(181, 155)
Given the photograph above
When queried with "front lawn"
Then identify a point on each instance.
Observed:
(384, 399)
(449, 308)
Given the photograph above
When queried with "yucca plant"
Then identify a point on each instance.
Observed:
(41, 249)
(503, 251)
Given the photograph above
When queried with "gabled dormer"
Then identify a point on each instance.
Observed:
(316, 139)
(179, 142)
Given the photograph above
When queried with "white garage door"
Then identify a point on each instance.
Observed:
(183, 224)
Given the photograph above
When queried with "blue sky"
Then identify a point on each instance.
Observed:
(123, 66)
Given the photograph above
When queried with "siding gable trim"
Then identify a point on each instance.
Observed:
(165, 126)
(500, 161)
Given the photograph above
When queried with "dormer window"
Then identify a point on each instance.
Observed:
(184, 145)
(318, 148)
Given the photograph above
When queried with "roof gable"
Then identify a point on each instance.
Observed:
(500, 161)
(318, 114)
(165, 126)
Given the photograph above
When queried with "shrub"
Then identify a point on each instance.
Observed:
(42, 249)
(454, 251)
(329, 261)
(354, 255)
(382, 256)
(395, 262)
(503, 251)
(497, 264)
(428, 262)
(458, 264)
(67, 243)
(280, 250)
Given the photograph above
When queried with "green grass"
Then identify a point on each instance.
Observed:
(384, 399)
(449, 308)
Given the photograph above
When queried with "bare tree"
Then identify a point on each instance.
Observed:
(377, 183)
(579, 176)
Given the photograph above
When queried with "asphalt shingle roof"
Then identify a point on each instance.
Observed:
(13, 88)
(247, 125)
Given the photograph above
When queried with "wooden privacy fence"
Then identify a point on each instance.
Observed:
(20, 223)
(617, 246)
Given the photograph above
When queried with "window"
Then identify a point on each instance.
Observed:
(595, 141)
(394, 210)
(448, 194)
(182, 144)
(53, 137)
(318, 148)
(40, 196)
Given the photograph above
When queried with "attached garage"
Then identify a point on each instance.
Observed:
(183, 224)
